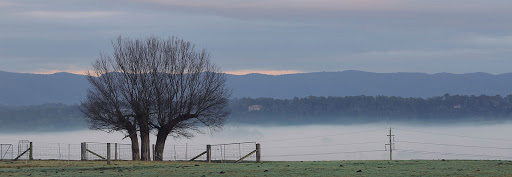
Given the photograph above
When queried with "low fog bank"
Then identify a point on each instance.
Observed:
(75, 124)
(328, 142)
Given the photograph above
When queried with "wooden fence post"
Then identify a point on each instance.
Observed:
(115, 151)
(258, 153)
(153, 152)
(209, 153)
(83, 154)
(31, 152)
(108, 153)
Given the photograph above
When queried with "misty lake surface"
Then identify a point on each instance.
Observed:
(306, 142)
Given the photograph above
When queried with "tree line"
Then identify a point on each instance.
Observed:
(307, 110)
(353, 109)
(41, 118)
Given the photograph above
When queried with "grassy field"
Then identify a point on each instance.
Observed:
(306, 168)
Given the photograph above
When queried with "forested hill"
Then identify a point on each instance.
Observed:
(370, 109)
(46, 117)
(296, 111)
(35, 89)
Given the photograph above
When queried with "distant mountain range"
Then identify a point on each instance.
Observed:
(33, 89)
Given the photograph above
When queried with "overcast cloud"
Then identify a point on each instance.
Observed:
(283, 36)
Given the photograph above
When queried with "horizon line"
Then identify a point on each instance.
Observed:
(263, 72)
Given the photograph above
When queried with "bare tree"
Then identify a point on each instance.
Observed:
(160, 84)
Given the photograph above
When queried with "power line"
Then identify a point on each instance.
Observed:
(328, 153)
(11, 139)
(234, 143)
(449, 153)
(327, 145)
(322, 136)
(39, 142)
(456, 145)
(461, 136)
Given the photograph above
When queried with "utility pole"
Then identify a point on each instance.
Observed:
(390, 144)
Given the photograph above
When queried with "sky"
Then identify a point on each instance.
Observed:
(267, 36)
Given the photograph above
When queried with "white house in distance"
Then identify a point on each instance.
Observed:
(255, 108)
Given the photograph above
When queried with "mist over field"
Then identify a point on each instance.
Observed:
(316, 142)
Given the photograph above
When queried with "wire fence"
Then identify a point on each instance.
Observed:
(232, 152)
(6, 151)
(56, 151)
(229, 152)
(183, 152)
(62, 151)
(98, 151)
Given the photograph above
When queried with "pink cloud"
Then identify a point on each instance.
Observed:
(48, 71)
(268, 72)
(70, 14)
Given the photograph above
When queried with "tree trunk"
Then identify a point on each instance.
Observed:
(144, 140)
(160, 144)
(135, 145)
(144, 148)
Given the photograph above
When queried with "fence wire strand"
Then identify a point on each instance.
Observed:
(460, 136)
(327, 153)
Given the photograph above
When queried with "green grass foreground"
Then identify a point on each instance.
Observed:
(294, 168)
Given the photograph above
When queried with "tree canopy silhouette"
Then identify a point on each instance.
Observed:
(157, 84)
